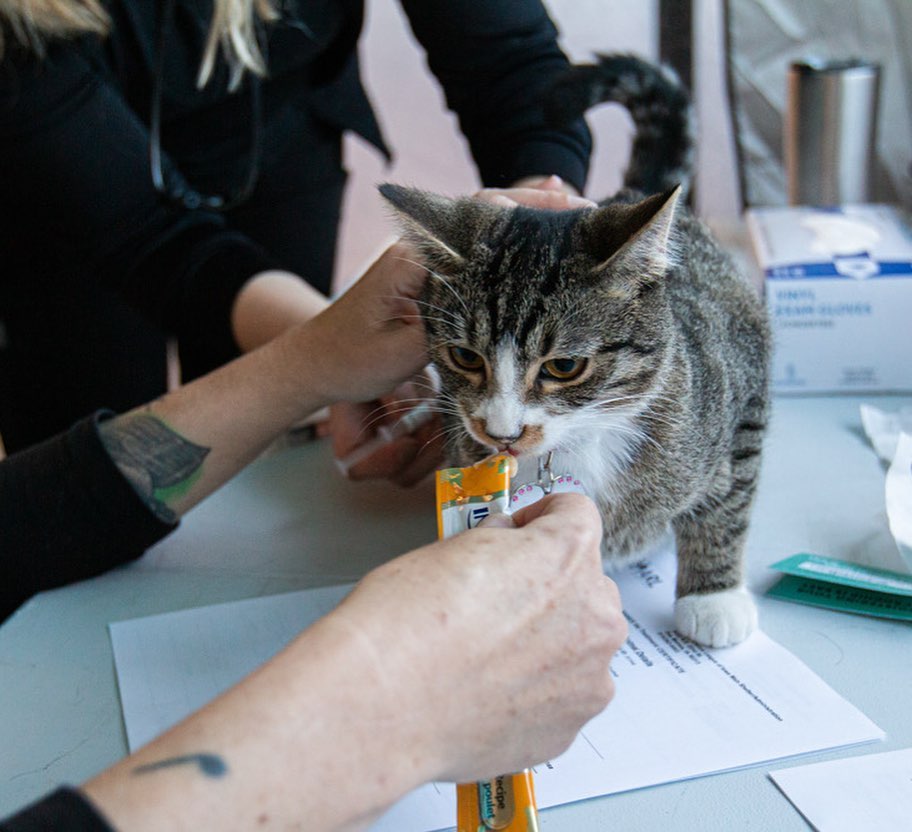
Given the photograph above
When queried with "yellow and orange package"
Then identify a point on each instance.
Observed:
(465, 496)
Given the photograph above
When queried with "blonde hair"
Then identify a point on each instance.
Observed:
(233, 29)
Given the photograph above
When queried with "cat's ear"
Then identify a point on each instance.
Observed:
(635, 239)
(444, 230)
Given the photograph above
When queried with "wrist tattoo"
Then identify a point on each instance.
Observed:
(211, 765)
(157, 461)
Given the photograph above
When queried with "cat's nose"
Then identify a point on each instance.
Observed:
(506, 440)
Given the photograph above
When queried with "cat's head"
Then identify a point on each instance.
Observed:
(541, 323)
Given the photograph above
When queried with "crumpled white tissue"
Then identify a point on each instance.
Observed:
(883, 428)
(899, 497)
(891, 436)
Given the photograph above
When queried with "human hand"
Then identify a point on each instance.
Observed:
(549, 192)
(370, 339)
(405, 460)
(496, 641)
(477, 656)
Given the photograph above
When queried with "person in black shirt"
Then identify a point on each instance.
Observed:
(372, 700)
(106, 250)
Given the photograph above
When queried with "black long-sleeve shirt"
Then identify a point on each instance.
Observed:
(65, 809)
(79, 207)
(78, 200)
(66, 514)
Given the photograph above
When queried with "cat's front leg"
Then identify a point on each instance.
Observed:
(716, 619)
(712, 606)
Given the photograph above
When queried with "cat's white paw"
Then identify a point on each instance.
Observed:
(716, 619)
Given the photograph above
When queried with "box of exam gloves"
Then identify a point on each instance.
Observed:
(839, 293)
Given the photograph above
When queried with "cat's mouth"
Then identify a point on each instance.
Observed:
(527, 442)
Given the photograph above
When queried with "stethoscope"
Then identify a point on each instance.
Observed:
(180, 192)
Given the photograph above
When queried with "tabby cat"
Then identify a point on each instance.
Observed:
(621, 338)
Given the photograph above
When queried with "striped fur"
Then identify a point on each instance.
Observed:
(662, 152)
(666, 420)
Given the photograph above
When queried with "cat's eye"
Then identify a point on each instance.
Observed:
(562, 369)
(466, 359)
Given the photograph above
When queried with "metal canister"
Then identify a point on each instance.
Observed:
(830, 131)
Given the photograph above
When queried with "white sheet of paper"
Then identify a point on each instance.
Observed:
(869, 792)
(680, 711)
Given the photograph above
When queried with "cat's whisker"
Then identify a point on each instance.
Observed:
(620, 429)
(451, 430)
(391, 411)
(649, 408)
(657, 398)
(417, 400)
(443, 410)
(404, 406)
(414, 400)
(615, 400)
(456, 428)
(443, 280)
(425, 385)
(671, 417)
(451, 319)
(442, 321)
(454, 319)
(436, 308)
(449, 407)
(454, 412)
(421, 318)
(649, 415)
(369, 423)
(655, 418)
(370, 419)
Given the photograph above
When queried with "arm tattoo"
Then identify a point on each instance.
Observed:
(209, 764)
(158, 462)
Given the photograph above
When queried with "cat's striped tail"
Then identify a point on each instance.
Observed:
(662, 152)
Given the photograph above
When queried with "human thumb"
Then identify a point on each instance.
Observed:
(498, 521)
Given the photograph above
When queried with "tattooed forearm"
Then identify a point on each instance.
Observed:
(209, 764)
(158, 462)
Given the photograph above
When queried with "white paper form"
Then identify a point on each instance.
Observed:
(170, 665)
(869, 792)
(680, 711)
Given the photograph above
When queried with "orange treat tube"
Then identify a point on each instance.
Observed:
(465, 496)
(505, 803)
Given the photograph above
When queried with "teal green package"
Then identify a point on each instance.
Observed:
(844, 586)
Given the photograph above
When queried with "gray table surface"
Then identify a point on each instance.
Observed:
(291, 522)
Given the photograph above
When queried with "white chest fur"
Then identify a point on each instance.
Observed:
(594, 455)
